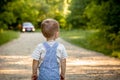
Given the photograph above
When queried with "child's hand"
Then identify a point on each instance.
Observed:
(34, 77)
(62, 78)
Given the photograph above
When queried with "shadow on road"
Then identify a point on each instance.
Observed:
(82, 64)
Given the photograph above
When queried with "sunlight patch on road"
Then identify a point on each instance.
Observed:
(13, 56)
(17, 71)
(92, 61)
(20, 60)
(78, 62)
(92, 66)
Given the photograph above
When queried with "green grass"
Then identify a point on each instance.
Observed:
(77, 37)
(38, 30)
(6, 36)
(89, 39)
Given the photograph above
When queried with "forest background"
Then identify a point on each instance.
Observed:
(92, 24)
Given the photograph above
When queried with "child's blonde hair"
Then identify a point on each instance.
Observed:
(49, 27)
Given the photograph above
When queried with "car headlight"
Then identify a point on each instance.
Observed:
(33, 29)
(23, 30)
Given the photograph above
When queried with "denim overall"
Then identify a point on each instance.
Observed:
(49, 69)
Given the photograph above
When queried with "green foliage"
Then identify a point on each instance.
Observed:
(92, 40)
(77, 37)
(61, 19)
(115, 41)
(54, 10)
(4, 26)
(113, 17)
(3, 3)
(6, 36)
(50, 8)
(76, 17)
(3, 14)
(16, 12)
(95, 15)
(116, 54)
(104, 15)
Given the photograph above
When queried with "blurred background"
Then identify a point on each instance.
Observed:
(92, 24)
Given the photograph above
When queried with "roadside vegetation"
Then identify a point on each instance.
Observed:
(91, 40)
(93, 24)
(6, 36)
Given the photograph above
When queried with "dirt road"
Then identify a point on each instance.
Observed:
(82, 64)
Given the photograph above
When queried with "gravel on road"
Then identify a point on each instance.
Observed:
(82, 64)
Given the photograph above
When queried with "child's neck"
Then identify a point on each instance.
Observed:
(50, 39)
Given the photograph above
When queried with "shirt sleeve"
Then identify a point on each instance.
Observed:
(64, 53)
(37, 52)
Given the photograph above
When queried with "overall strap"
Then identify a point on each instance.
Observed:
(49, 69)
(55, 45)
(47, 46)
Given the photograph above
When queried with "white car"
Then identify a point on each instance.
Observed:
(27, 26)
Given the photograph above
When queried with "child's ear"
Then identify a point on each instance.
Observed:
(57, 34)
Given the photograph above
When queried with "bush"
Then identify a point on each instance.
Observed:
(6, 36)
(93, 40)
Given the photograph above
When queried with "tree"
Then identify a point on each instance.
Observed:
(15, 11)
(104, 15)
(3, 3)
(76, 17)
(53, 9)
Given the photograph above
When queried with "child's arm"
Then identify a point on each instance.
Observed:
(34, 69)
(63, 69)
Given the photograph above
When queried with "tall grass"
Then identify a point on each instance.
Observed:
(6, 36)
(89, 39)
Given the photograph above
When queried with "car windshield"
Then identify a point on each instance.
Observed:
(27, 24)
